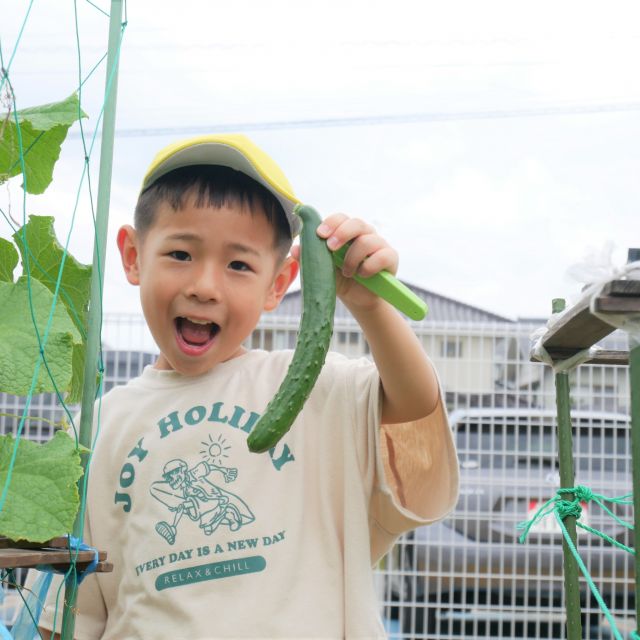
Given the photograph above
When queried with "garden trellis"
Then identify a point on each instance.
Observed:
(51, 326)
(568, 341)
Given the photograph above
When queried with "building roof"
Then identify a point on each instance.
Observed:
(441, 308)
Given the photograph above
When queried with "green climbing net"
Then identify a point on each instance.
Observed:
(44, 312)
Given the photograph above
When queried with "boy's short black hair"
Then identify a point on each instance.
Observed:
(213, 186)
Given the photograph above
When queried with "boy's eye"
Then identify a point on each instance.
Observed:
(180, 255)
(238, 265)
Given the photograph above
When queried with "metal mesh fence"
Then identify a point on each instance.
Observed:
(468, 576)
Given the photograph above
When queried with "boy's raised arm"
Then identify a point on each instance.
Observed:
(409, 384)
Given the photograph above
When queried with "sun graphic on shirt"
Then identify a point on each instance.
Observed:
(215, 450)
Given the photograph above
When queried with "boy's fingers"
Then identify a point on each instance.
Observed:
(330, 223)
(369, 254)
(348, 229)
(359, 250)
(384, 259)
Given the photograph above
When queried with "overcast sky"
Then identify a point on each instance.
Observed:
(494, 144)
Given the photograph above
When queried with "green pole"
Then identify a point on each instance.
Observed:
(567, 479)
(94, 321)
(634, 377)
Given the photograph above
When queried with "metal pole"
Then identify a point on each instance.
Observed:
(94, 320)
(634, 377)
(567, 478)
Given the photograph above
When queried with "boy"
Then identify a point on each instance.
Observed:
(207, 539)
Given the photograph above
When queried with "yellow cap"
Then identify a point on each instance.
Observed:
(231, 150)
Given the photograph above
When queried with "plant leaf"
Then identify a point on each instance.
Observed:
(8, 260)
(19, 346)
(39, 136)
(47, 116)
(77, 373)
(45, 257)
(41, 151)
(42, 499)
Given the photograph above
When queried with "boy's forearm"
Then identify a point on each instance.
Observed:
(409, 384)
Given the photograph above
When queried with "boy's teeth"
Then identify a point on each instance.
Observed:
(196, 321)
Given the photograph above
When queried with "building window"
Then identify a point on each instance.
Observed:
(451, 348)
(598, 397)
(348, 337)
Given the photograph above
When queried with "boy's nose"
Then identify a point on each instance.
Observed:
(205, 285)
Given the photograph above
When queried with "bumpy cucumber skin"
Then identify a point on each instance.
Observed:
(314, 335)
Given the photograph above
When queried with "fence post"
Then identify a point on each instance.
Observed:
(634, 379)
(94, 321)
(567, 478)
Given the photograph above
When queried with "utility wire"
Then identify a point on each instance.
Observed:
(359, 121)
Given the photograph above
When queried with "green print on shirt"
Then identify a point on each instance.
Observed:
(213, 571)
(181, 555)
(193, 492)
(218, 413)
(193, 417)
(197, 414)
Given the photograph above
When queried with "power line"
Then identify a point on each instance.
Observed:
(359, 121)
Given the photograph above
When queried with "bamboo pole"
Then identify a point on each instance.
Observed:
(634, 377)
(94, 320)
(567, 478)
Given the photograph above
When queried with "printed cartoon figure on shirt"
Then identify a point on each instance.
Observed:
(192, 492)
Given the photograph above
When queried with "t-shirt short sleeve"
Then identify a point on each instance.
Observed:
(417, 477)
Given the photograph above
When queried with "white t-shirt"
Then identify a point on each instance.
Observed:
(209, 540)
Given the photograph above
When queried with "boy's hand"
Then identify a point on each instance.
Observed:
(368, 254)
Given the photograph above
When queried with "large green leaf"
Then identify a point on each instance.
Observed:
(19, 345)
(8, 260)
(45, 258)
(42, 498)
(36, 137)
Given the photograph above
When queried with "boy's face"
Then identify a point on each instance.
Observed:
(205, 276)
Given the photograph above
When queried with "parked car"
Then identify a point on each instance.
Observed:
(470, 576)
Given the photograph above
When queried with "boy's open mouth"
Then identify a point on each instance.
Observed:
(196, 333)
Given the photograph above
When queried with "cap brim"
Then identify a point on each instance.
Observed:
(236, 152)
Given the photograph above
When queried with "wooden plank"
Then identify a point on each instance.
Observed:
(622, 288)
(617, 304)
(578, 329)
(58, 558)
(601, 357)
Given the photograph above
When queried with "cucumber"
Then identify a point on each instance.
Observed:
(318, 279)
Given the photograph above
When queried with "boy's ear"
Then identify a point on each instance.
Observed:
(129, 253)
(285, 275)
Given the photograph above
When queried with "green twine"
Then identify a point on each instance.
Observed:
(95, 6)
(563, 508)
(560, 507)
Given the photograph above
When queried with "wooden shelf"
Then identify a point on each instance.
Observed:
(604, 356)
(578, 329)
(54, 553)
